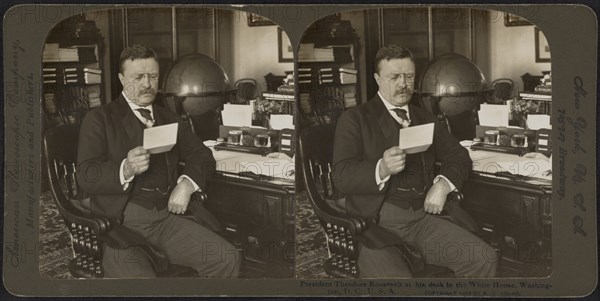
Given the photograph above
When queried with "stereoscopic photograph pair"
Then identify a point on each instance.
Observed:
(392, 144)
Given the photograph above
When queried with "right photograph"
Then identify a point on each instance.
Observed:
(424, 145)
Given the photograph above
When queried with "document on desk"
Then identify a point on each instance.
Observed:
(282, 121)
(493, 115)
(160, 139)
(237, 115)
(528, 168)
(416, 139)
(271, 167)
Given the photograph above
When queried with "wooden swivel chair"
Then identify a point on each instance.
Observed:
(503, 89)
(344, 231)
(246, 90)
(328, 109)
(88, 231)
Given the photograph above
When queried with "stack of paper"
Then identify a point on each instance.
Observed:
(308, 53)
(94, 99)
(493, 115)
(50, 52)
(92, 76)
(68, 54)
(305, 52)
(349, 99)
(347, 76)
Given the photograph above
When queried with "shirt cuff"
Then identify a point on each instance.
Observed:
(124, 182)
(438, 177)
(380, 182)
(196, 187)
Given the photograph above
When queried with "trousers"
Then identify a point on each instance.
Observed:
(183, 241)
(441, 243)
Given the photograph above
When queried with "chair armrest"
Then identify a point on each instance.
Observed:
(77, 218)
(199, 196)
(99, 225)
(328, 214)
(455, 196)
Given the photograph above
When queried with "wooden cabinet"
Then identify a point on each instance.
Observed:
(249, 205)
(517, 221)
(259, 218)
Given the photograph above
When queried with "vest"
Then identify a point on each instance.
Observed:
(408, 188)
(151, 188)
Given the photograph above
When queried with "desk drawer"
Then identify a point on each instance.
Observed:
(251, 208)
(510, 206)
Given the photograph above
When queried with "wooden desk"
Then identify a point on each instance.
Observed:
(516, 215)
(258, 213)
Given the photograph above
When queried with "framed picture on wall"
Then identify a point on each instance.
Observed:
(258, 20)
(286, 52)
(542, 49)
(515, 20)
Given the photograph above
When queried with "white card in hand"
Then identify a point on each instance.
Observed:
(416, 139)
(160, 139)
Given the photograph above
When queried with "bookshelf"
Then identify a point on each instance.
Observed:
(72, 71)
(327, 74)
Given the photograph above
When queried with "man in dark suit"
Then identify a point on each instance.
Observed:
(398, 193)
(141, 191)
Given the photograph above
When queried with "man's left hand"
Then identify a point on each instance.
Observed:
(180, 197)
(436, 197)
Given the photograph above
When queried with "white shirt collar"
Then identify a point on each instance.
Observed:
(134, 108)
(390, 107)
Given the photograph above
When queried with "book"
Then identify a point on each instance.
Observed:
(348, 70)
(535, 96)
(282, 96)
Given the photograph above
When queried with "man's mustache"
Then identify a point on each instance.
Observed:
(404, 91)
(147, 91)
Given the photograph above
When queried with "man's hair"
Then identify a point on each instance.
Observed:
(391, 52)
(135, 52)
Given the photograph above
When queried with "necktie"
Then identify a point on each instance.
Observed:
(146, 114)
(403, 117)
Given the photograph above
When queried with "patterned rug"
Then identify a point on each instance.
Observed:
(55, 241)
(311, 247)
(311, 250)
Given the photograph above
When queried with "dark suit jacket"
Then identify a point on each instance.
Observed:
(106, 136)
(363, 134)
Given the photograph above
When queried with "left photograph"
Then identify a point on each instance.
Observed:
(168, 146)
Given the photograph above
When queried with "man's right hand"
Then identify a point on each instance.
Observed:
(393, 162)
(137, 162)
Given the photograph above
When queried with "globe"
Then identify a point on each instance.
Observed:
(455, 82)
